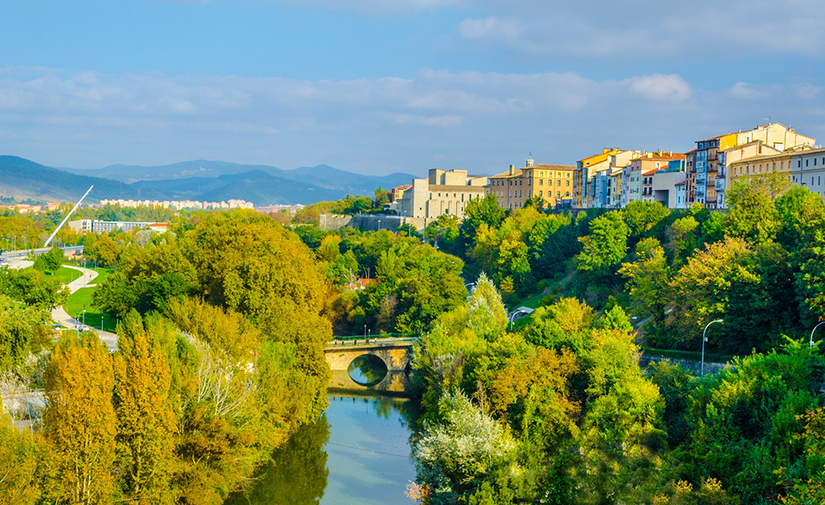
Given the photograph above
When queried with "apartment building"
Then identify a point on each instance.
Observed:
(551, 183)
(706, 164)
(587, 190)
(808, 169)
(637, 176)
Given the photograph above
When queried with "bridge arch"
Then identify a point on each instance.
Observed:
(396, 356)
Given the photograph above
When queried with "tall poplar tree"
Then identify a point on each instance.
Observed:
(144, 417)
(79, 421)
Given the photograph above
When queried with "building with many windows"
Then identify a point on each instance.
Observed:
(589, 191)
(98, 226)
(808, 169)
(443, 192)
(706, 165)
(551, 183)
(637, 176)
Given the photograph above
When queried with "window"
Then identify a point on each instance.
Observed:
(541, 182)
(806, 163)
(558, 194)
(431, 196)
(541, 193)
(567, 193)
(568, 183)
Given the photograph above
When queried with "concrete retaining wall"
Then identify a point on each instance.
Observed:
(694, 367)
(328, 222)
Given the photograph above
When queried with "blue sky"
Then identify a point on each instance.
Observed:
(377, 86)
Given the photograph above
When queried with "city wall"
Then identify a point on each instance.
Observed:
(328, 222)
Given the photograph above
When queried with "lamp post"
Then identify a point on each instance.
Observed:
(705, 339)
(812, 333)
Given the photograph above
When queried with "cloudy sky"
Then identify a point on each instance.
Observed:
(377, 86)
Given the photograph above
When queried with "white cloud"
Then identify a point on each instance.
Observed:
(651, 28)
(489, 27)
(481, 121)
(661, 87)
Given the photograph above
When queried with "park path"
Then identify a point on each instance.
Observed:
(59, 315)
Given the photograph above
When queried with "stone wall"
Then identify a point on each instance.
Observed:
(694, 367)
(328, 222)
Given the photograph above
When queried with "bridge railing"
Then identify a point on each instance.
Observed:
(372, 339)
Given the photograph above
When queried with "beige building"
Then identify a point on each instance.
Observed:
(552, 183)
(707, 164)
(808, 169)
(443, 192)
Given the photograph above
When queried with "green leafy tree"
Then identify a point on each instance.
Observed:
(647, 279)
(486, 314)
(753, 215)
(606, 246)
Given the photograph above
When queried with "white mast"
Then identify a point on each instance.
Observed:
(67, 217)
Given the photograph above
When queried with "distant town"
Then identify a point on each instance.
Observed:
(609, 179)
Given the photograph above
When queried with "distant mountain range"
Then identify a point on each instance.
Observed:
(202, 180)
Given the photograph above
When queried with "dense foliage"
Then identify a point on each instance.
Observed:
(220, 358)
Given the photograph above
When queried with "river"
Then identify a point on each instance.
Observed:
(358, 452)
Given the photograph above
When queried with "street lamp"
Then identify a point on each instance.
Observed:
(812, 333)
(705, 339)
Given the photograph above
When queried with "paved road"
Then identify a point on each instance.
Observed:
(60, 316)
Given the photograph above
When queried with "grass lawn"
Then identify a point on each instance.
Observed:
(82, 300)
(66, 275)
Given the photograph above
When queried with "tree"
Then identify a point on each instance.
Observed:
(105, 252)
(452, 456)
(703, 288)
(648, 279)
(250, 264)
(486, 314)
(641, 216)
(23, 330)
(19, 455)
(753, 215)
(79, 421)
(145, 420)
(50, 260)
(606, 245)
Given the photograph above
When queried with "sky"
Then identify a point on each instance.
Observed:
(382, 86)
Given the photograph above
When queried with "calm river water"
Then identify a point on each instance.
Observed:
(357, 453)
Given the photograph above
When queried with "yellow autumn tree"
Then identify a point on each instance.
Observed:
(79, 421)
(145, 420)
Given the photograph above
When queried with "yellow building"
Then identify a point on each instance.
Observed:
(552, 183)
(590, 191)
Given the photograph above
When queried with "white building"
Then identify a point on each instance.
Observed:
(443, 192)
(808, 169)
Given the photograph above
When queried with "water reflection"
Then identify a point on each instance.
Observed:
(296, 474)
(357, 453)
(367, 370)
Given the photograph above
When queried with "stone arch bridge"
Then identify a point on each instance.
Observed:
(395, 353)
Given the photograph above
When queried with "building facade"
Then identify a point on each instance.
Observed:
(586, 189)
(443, 192)
(706, 164)
(552, 183)
(808, 169)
